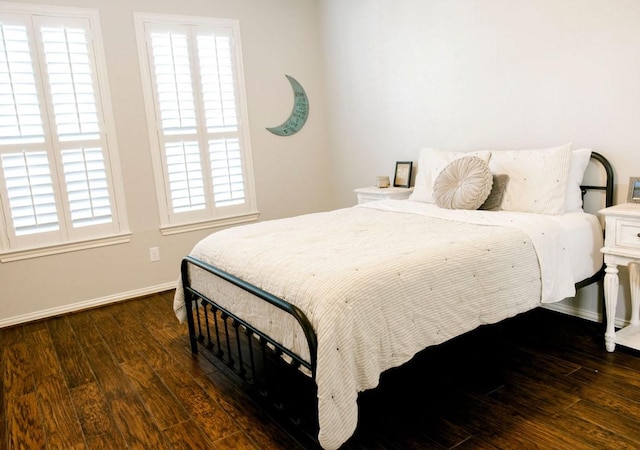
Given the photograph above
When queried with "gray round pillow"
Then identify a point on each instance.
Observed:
(465, 183)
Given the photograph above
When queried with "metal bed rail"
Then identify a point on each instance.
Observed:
(282, 379)
(607, 188)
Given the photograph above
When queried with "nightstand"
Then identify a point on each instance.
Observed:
(622, 248)
(372, 193)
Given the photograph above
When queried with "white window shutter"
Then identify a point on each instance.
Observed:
(71, 82)
(30, 192)
(174, 82)
(186, 183)
(20, 116)
(56, 174)
(218, 90)
(87, 186)
(193, 98)
(226, 172)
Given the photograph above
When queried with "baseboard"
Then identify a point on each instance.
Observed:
(593, 316)
(573, 311)
(73, 307)
(43, 314)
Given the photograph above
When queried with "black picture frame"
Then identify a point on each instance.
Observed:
(402, 177)
(634, 190)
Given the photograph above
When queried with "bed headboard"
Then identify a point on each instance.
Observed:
(598, 178)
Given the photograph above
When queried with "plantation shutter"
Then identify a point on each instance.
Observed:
(54, 162)
(70, 75)
(220, 109)
(175, 97)
(204, 155)
(30, 192)
(26, 168)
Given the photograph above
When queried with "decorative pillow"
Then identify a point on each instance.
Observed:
(494, 200)
(537, 178)
(430, 164)
(465, 183)
(579, 161)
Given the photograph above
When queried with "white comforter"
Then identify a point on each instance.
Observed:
(381, 281)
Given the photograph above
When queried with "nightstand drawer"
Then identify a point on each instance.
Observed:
(372, 194)
(627, 233)
(364, 198)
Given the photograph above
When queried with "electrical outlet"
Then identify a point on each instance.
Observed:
(154, 254)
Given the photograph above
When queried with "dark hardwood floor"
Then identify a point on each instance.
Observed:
(122, 376)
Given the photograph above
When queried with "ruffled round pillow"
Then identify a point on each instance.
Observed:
(465, 183)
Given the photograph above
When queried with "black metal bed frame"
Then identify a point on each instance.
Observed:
(230, 339)
(255, 357)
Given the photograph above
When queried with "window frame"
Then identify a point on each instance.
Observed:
(68, 238)
(210, 216)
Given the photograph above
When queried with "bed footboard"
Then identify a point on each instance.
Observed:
(265, 365)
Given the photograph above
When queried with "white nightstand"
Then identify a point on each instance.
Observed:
(372, 193)
(622, 248)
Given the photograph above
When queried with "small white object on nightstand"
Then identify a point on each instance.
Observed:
(372, 193)
(622, 248)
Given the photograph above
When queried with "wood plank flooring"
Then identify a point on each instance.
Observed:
(122, 376)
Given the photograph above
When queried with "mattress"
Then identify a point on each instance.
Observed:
(383, 280)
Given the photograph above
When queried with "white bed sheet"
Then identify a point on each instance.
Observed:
(313, 261)
(568, 252)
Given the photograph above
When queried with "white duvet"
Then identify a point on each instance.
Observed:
(383, 280)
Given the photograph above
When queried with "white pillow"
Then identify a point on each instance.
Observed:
(579, 161)
(465, 183)
(537, 178)
(430, 164)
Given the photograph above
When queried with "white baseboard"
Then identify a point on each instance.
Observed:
(73, 307)
(573, 311)
(593, 316)
(43, 314)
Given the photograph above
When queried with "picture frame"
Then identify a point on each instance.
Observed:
(634, 190)
(402, 177)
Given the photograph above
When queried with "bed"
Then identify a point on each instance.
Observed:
(341, 296)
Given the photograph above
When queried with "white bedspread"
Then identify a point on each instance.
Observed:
(382, 281)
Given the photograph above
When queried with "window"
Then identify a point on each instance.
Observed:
(58, 179)
(194, 92)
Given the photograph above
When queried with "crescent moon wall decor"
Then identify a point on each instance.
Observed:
(299, 114)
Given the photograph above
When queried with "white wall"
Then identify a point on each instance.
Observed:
(476, 74)
(278, 37)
